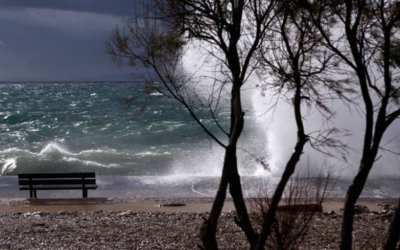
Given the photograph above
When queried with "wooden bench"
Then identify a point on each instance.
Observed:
(57, 181)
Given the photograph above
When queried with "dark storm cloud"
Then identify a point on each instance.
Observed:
(114, 7)
(48, 40)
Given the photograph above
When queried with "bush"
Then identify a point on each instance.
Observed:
(302, 200)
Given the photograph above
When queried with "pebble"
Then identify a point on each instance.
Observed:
(155, 230)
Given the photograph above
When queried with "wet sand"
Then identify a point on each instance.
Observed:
(168, 205)
(117, 205)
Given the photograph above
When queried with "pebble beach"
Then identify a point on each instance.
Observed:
(168, 225)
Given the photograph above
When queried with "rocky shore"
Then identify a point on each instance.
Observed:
(165, 230)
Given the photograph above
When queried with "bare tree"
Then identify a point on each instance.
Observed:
(364, 34)
(302, 67)
(234, 29)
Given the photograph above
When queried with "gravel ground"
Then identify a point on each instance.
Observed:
(155, 230)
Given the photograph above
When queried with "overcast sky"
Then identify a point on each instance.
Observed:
(60, 40)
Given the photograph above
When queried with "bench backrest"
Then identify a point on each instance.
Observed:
(38, 180)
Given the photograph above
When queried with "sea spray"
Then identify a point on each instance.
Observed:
(207, 78)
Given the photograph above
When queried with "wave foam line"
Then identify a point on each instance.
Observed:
(198, 192)
(89, 163)
(9, 165)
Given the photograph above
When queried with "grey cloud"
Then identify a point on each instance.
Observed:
(61, 20)
(59, 40)
(114, 7)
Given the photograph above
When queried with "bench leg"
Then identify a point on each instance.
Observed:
(84, 193)
(32, 193)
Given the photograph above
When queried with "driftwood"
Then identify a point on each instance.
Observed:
(295, 208)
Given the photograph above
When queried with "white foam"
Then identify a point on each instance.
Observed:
(54, 148)
(99, 151)
(16, 151)
(9, 165)
(151, 153)
(89, 163)
(156, 94)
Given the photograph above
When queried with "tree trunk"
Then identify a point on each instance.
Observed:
(235, 185)
(243, 220)
(289, 170)
(209, 228)
(353, 193)
(394, 231)
(229, 176)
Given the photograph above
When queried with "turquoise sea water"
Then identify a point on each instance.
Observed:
(112, 128)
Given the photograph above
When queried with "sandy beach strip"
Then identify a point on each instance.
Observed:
(167, 205)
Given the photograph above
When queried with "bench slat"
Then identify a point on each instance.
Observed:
(57, 182)
(57, 187)
(56, 175)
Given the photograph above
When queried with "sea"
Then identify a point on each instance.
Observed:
(131, 138)
(110, 128)
(139, 143)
